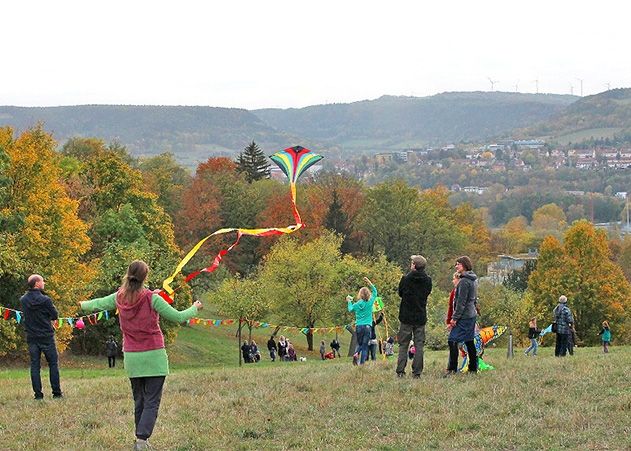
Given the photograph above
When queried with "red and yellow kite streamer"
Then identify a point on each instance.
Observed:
(293, 161)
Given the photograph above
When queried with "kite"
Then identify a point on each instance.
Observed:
(482, 338)
(547, 330)
(293, 161)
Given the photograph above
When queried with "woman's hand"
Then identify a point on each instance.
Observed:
(349, 298)
(199, 305)
(367, 280)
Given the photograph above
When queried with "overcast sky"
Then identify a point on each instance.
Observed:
(277, 53)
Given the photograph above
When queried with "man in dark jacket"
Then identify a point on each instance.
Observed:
(111, 348)
(39, 311)
(414, 288)
(272, 348)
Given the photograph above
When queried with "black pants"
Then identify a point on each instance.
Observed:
(47, 347)
(560, 349)
(453, 356)
(147, 393)
(111, 361)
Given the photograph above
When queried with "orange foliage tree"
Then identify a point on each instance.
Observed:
(52, 238)
(581, 269)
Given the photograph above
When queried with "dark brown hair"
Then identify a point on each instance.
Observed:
(133, 281)
(466, 262)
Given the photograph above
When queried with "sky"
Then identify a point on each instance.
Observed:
(278, 53)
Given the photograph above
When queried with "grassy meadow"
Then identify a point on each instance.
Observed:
(540, 402)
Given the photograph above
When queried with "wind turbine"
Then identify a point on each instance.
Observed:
(516, 86)
(536, 85)
(493, 83)
(571, 89)
(581, 80)
(608, 86)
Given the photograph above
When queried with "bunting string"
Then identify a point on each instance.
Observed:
(94, 318)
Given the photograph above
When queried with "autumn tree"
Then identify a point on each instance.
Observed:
(581, 269)
(52, 238)
(125, 222)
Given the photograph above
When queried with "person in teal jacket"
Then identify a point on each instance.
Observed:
(605, 333)
(363, 316)
(145, 358)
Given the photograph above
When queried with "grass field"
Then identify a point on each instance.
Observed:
(580, 402)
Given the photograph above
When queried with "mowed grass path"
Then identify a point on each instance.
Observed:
(580, 402)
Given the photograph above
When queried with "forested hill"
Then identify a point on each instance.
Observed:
(192, 133)
(399, 122)
(600, 116)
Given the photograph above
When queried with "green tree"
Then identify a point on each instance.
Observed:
(253, 163)
(164, 177)
(336, 220)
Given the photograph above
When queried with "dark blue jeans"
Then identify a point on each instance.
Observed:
(363, 337)
(49, 349)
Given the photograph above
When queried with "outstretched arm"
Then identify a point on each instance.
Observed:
(105, 303)
(165, 310)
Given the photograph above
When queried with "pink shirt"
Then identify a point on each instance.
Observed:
(139, 324)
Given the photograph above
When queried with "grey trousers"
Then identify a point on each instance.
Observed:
(406, 333)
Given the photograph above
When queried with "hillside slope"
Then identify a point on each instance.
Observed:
(602, 115)
(191, 133)
(400, 122)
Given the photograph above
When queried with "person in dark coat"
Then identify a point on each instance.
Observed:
(272, 348)
(245, 350)
(335, 347)
(39, 311)
(111, 349)
(564, 321)
(462, 324)
(414, 288)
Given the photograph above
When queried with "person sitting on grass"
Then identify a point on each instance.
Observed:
(291, 352)
(146, 363)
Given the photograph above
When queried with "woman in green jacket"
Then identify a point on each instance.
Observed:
(145, 359)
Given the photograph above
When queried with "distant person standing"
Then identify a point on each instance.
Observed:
(272, 348)
(605, 334)
(462, 324)
(414, 288)
(111, 348)
(335, 347)
(533, 333)
(564, 321)
(39, 311)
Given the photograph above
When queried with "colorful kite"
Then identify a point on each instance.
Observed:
(293, 161)
(482, 338)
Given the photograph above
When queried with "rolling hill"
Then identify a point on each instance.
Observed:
(599, 116)
(390, 123)
(193, 133)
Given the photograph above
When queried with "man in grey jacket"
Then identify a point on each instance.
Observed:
(564, 321)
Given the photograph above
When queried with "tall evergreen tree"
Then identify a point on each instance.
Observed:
(337, 220)
(253, 163)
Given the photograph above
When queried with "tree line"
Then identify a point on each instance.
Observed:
(80, 214)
